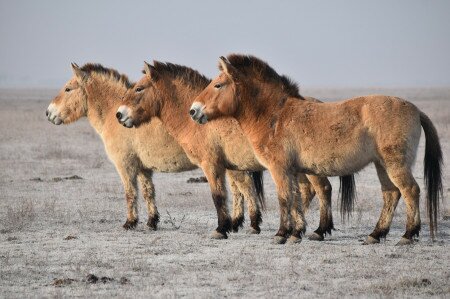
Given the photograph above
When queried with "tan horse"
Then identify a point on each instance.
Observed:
(291, 136)
(94, 92)
(165, 92)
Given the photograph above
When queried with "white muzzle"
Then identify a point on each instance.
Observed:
(123, 116)
(196, 113)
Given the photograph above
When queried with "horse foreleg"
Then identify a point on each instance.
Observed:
(216, 179)
(129, 181)
(283, 183)
(148, 192)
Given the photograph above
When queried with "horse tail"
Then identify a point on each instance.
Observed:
(347, 194)
(432, 171)
(258, 181)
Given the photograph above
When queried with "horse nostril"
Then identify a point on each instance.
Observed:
(192, 112)
(119, 115)
(46, 112)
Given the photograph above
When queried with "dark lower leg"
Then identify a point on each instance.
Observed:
(307, 192)
(256, 220)
(238, 211)
(323, 190)
(224, 221)
(253, 208)
(148, 192)
(297, 218)
(412, 195)
(284, 229)
(390, 199)
(216, 179)
(234, 178)
(391, 195)
(132, 213)
(283, 180)
(403, 179)
(242, 184)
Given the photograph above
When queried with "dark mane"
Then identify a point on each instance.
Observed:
(112, 73)
(187, 75)
(252, 66)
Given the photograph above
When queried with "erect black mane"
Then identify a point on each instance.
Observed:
(186, 74)
(112, 73)
(253, 66)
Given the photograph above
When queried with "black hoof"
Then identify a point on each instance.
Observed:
(152, 225)
(130, 224)
(294, 239)
(152, 222)
(370, 240)
(253, 231)
(315, 236)
(405, 241)
(256, 219)
(237, 224)
(279, 240)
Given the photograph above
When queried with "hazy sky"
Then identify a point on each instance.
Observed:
(317, 43)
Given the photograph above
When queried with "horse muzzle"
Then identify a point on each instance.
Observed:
(197, 114)
(52, 115)
(123, 117)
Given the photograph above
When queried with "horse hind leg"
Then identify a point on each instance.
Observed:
(323, 190)
(148, 192)
(297, 216)
(391, 196)
(306, 190)
(237, 218)
(403, 179)
(246, 187)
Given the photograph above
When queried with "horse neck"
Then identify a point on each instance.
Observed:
(102, 95)
(258, 114)
(175, 109)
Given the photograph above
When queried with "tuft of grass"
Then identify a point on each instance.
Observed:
(172, 221)
(20, 216)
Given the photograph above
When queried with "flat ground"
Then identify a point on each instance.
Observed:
(55, 231)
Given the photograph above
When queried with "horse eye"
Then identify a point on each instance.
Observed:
(67, 90)
(139, 89)
(217, 86)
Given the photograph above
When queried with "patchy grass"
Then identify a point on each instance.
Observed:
(20, 216)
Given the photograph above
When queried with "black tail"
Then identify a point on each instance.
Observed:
(432, 171)
(258, 180)
(347, 194)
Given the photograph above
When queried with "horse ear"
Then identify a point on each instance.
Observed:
(81, 75)
(226, 67)
(150, 71)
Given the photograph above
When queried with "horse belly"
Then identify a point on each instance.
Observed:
(236, 148)
(338, 160)
(239, 154)
(158, 151)
(172, 161)
(243, 160)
